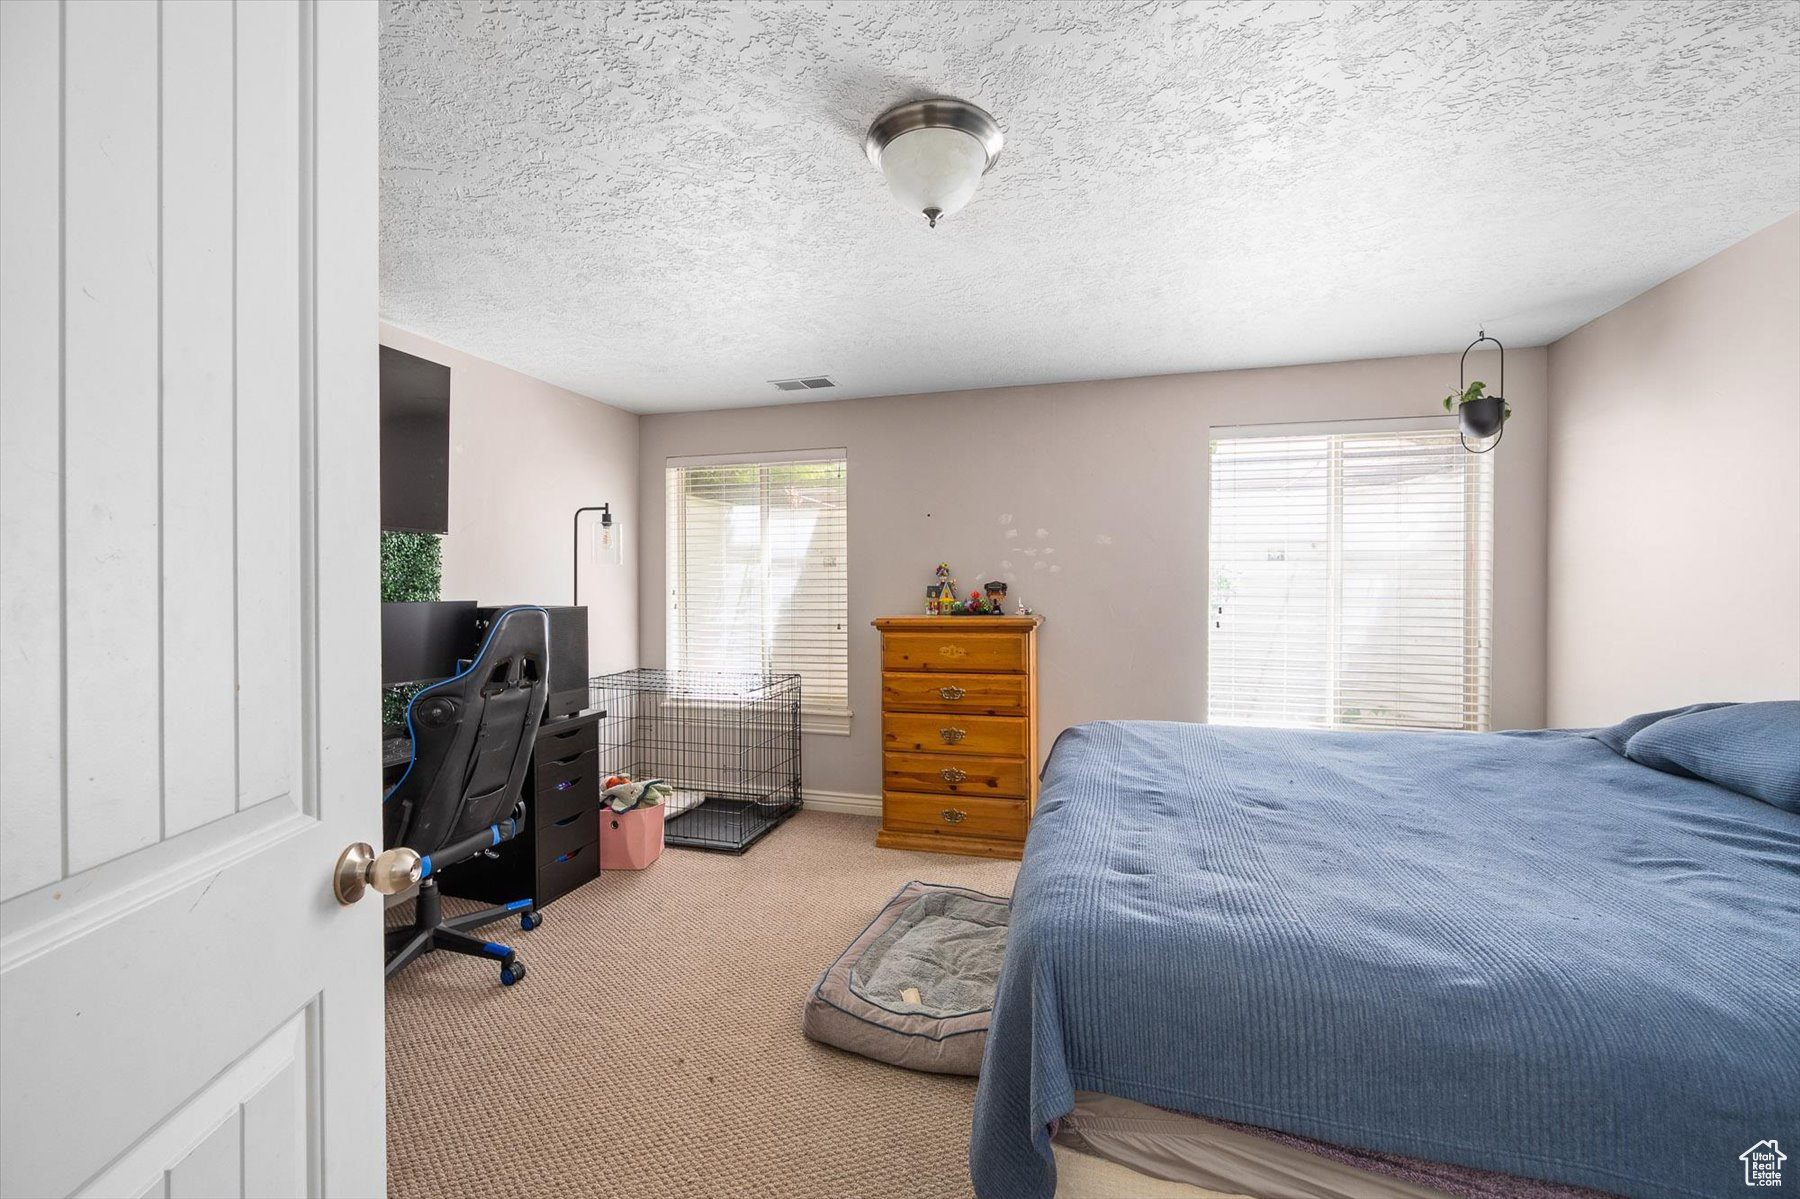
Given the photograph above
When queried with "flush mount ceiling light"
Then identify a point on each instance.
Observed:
(933, 153)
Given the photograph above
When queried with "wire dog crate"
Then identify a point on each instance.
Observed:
(728, 743)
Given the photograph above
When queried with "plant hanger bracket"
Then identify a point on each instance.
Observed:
(1462, 384)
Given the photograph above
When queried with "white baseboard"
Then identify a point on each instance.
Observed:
(841, 801)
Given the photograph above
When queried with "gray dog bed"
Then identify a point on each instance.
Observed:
(942, 943)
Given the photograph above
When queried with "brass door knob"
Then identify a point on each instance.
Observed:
(951, 693)
(359, 868)
(951, 774)
(952, 736)
(954, 815)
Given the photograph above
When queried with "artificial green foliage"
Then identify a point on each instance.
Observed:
(393, 704)
(412, 567)
(412, 571)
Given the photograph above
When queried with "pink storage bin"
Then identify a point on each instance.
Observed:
(630, 840)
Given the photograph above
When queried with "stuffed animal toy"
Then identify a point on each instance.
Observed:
(622, 794)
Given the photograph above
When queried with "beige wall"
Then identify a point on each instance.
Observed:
(1674, 556)
(1647, 536)
(523, 456)
(1096, 493)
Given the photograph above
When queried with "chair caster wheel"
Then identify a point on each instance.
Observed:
(512, 972)
(530, 920)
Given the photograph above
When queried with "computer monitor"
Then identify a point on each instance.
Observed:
(421, 642)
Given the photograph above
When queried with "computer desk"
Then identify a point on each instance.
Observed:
(558, 850)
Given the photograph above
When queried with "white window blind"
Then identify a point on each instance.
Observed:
(757, 552)
(1352, 581)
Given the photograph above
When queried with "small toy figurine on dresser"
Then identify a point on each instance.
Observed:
(940, 597)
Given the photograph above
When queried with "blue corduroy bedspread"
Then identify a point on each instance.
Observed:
(1518, 952)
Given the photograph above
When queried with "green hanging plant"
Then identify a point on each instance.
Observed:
(1474, 391)
(412, 572)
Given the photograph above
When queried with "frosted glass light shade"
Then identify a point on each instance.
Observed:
(933, 153)
(934, 171)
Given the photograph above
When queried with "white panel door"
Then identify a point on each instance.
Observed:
(188, 635)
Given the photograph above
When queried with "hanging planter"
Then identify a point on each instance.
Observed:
(1479, 415)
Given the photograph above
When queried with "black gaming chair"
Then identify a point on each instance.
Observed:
(472, 737)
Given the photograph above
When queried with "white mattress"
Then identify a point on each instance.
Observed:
(1081, 1175)
(1112, 1148)
(680, 800)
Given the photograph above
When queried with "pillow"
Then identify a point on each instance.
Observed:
(1754, 749)
(1615, 736)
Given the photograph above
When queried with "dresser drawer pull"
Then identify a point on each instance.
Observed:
(952, 736)
(566, 821)
(955, 815)
(951, 774)
(951, 693)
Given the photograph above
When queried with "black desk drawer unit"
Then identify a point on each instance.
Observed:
(560, 847)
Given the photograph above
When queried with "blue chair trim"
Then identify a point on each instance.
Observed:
(470, 669)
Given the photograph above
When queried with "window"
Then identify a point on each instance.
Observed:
(1352, 581)
(757, 577)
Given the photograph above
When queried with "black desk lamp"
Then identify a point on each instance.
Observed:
(606, 523)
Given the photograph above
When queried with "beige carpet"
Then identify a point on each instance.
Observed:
(654, 1049)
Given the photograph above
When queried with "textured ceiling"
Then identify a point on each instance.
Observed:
(664, 205)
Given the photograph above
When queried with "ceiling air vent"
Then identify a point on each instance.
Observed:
(810, 384)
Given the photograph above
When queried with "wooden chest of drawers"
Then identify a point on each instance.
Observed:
(958, 733)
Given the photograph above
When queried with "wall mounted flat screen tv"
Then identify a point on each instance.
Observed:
(415, 444)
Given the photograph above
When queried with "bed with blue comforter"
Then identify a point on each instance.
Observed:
(1524, 952)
